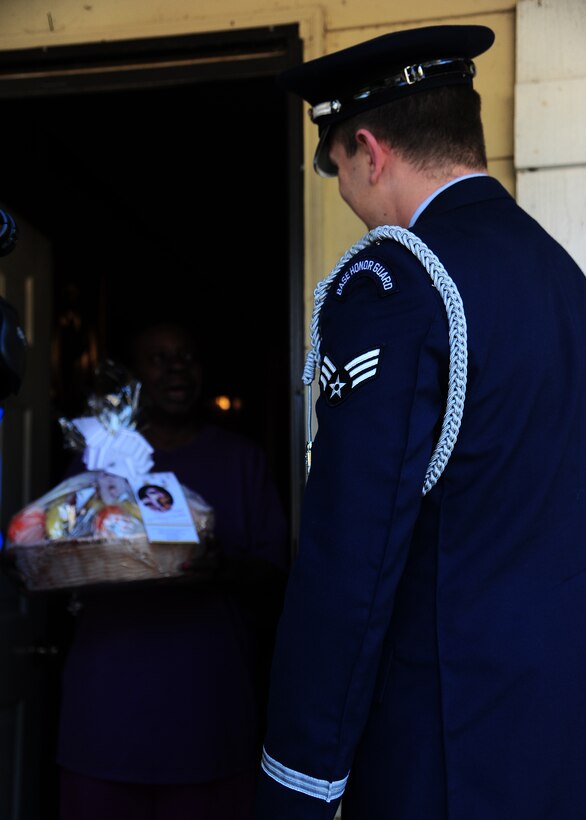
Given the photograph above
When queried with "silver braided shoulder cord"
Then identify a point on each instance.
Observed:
(457, 339)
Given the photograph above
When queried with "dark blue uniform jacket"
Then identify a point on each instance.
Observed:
(431, 659)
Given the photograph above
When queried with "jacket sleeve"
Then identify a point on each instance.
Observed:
(375, 436)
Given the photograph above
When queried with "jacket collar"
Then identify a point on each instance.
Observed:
(461, 192)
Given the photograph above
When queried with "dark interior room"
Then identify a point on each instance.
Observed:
(162, 200)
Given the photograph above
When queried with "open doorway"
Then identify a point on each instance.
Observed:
(177, 190)
(162, 197)
(162, 200)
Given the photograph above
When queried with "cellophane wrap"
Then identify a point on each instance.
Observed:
(89, 529)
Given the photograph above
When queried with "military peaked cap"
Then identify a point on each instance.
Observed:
(387, 68)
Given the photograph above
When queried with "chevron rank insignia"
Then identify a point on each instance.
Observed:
(338, 382)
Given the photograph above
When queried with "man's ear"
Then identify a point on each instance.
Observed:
(376, 152)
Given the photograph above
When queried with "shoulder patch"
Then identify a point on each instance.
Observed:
(367, 265)
(338, 382)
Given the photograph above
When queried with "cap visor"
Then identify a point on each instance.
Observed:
(322, 163)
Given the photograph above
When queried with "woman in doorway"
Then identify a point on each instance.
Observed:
(163, 692)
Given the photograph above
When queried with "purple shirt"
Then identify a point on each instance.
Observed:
(161, 683)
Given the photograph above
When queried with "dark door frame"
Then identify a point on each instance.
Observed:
(154, 61)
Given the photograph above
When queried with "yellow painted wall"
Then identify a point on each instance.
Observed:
(330, 228)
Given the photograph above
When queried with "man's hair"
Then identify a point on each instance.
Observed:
(434, 129)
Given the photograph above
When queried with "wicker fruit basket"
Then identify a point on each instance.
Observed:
(89, 530)
(87, 563)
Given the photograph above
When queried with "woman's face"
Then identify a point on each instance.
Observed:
(166, 365)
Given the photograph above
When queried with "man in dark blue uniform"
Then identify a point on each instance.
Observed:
(430, 662)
